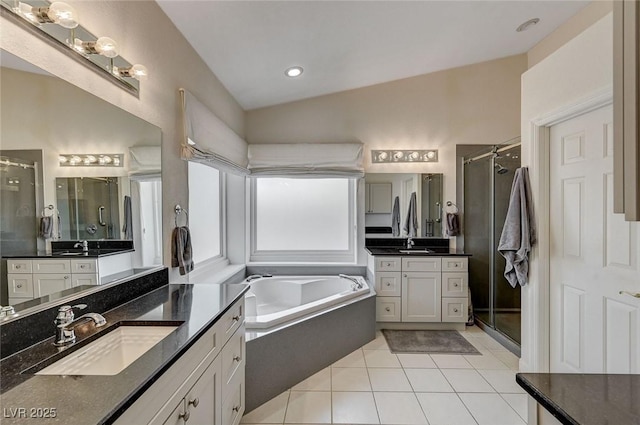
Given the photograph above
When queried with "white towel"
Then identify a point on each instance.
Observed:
(411, 223)
(395, 218)
(519, 231)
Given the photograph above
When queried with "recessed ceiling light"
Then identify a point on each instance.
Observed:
(525, 26)
(294, 71)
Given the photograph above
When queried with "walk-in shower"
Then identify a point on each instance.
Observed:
(488, 176)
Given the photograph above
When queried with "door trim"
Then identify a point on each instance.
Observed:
(536, 298)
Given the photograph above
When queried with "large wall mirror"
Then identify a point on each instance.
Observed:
(381, 191)
(110, 190)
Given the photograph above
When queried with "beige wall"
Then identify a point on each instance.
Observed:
(475, 104)
(146, 36)
(574, 26)
(580, 70)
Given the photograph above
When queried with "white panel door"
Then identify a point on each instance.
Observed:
(421, 297)
(594, 254)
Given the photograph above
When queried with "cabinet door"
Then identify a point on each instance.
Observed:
(455, 284)
(421, 297)
(379, 198)
(20, 285)
(455, 309)
(388, 309)
(204, 400)
(388, 284)
(233, 404)
(45, 284)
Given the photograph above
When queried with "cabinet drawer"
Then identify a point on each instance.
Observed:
(455, 309)
(388, 309)
(388, 264)
(388, 284)
(421, 264)
(455, 284)
(52, 266)
(233, 356)
(84, 266)
(232, 320)
(455, 264)
(233, 405)
(19, 266)
(20, 285)
(78, 279)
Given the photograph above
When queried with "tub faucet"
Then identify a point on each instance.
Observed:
(83, 244)
(356, 283)
(65, 333)
(410, 242)
(257, 276)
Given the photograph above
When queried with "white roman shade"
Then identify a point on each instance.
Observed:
(307, 159)
(208, 140)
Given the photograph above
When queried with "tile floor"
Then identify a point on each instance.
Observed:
(374, 386)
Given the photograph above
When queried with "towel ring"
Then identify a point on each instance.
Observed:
(48, 207)
(179, 210)
(451, 204)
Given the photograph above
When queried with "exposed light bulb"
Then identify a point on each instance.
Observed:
(62, 159)
(398, 156)
(116, 161)
(107, 47)
(431, 154)
(383, 156)
(63, 15)
(414, 155)
(104, 159)
(294, 71)
(139, 72)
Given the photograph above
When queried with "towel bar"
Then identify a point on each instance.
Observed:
(179, 210)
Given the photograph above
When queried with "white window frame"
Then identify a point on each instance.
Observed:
(221, 260)
(347, 256)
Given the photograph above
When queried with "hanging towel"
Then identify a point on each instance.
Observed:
(395, 217)
(46, 227)
(181, 251)
(127, 229)
(453, 224)
(411, 223)
(519, 231)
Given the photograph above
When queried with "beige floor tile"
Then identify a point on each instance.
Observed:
(309, 407)
(321, 381)
(519, 403)
(386, 379)
(270, 412)
(428, 381)
(354, 359)
(380, 358)
(490, 409)
(350, 379)
(451, 361)
(399, 408)
(467, 381)
(416, 361)
(486, 361)
(380, 343)
(504, 381)
(444, 409)
(354, 408)
(511, 360)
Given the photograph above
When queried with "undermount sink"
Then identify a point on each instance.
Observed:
(111, 353)
(71, 254)
(416, 251)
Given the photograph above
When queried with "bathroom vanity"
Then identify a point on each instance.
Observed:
(420, 285)
(195, 373)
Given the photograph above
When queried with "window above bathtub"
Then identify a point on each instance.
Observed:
(302, 220)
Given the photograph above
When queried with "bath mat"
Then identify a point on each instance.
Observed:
(433, 342)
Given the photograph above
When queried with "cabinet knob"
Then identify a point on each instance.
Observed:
(236, 358)
(82, 266)
(388, 309)
(194, 402)
(388, 284)
(405, 275)
(236, 409)
(19, 285)
(455, 265)
(185, 416)
(455, 310)
(455, 284)
(66, 277)
(235, 318)
(388, 264)
(18, 266)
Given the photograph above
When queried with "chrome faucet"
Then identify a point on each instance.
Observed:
(410, 242)
(83, 244)
(356, 283)
(65, 333)
(257, 276)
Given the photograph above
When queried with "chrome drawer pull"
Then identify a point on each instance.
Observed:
(633, 294)
(235, 318)
(237, 358)
(455, 310)
(185, 416)
(236, 409)
(194, 402)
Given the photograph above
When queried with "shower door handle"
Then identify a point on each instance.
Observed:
(439, 220)
(100, 219)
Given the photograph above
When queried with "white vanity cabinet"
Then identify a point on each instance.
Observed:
(30, 278)
(204, 386)
(421, 289)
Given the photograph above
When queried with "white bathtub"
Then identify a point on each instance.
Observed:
(275, 300)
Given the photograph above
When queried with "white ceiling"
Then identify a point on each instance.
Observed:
(348, 44)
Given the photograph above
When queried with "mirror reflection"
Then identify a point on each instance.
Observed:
(381, 189)
(112, 202)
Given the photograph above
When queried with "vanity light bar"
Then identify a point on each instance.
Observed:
(91, 160)
(413, 155)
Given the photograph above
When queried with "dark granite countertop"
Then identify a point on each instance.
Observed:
(70, 254)
(432, 251)
(88, 400)
(586, 399)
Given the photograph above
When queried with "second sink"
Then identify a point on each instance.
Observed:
(111, 353)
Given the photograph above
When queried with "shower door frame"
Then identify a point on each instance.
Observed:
(490, 327)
